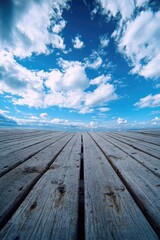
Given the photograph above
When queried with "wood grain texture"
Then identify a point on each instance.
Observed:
(17, 183)
(142, 184)
(50, 210)
(65, 185)
(151, 163)
(15, 158)
(111, 213)
(150, 149)
(144, 138)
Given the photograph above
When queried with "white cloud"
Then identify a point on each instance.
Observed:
(21, 82)
(3, 112)
(44, 115)
(77, 42)
(59, 121)
(72, 77)
(152, 69)
(149, 101)
(102, 94)
(57, 28)
(85, 110)
(65, 88)
(104, 41)
(157, 85)
(110, 7)
(104, 109)
(121, 120)
(57, 42)
(125, 8)
(155, 121)
(143, 49)
(100, 79)
(94, 64)
(30, 29)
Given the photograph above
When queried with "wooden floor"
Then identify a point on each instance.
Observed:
(62, 185)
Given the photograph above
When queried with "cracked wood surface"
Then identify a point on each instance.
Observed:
(48, 178)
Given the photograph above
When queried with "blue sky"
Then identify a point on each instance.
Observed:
(80, 64)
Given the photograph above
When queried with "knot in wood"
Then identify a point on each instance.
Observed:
(61, 189)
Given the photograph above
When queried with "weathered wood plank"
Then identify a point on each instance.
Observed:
(17, 145)
(144, 147)
(15, 185)
(138, 136)
(146, 160)
(50, 209)
(15, 133)
(110, 211)
(11, 138)
(13, 159)
(142, 184)
(151, 133)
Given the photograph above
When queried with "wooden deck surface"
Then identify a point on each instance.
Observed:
(75, 186)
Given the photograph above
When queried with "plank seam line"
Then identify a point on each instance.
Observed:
(134, 158)
(135, 147)
(139, 140)
(28, 157)
(81, 207)
(137, 200)
(15, 206)
(34, 144)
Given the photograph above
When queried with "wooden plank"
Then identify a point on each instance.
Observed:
(138, 136)
(17, 145)
(110, 211)
(13, 159)
(50, 209)
(144, 147)
(142, 184)
(15, 132)
(17, 183)
(11, 138)
(151, 133)
(146, 160)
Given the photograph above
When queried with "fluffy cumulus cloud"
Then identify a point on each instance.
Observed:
(102, 94)
(140, 50)
(25, 85)
(65, 87)
(71, 77)
(149, 101)
(100, 79)
(77, 42)
(143, 49)
(121, 120)
(31, 26)
(125, 8)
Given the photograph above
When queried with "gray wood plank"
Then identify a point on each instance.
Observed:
(18, 182)
(142, 184)
(24, 143)
(50, 209)
(11, 138)
(13, 159)
(135, 135)
(15, 132)
(111, 212)
(137, 144)
(151, 132)
(146, 160)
